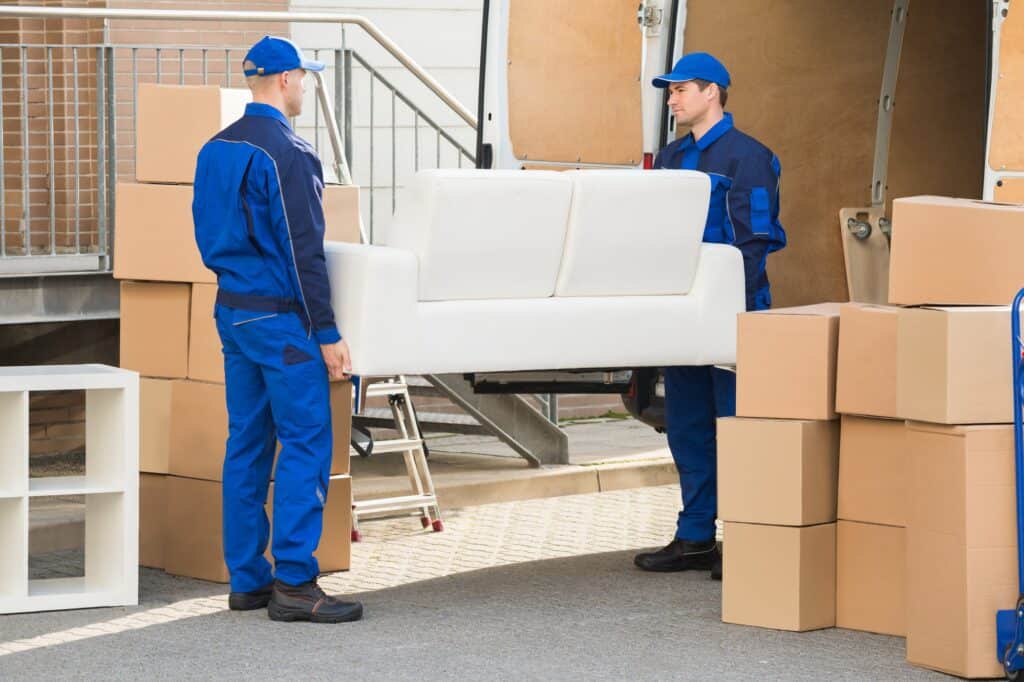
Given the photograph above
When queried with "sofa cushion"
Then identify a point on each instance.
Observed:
(633, 232)
(483, 234)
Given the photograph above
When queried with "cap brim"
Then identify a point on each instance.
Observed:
(310, 65)
(663, 81)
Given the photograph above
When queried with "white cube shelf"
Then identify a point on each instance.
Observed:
(110, 486)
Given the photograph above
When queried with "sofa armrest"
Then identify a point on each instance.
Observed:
(374, 296)
(720, 287)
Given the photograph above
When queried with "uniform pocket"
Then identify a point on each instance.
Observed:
(295, 356)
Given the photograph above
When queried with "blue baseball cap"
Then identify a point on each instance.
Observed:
(693, 66)
(275, 55)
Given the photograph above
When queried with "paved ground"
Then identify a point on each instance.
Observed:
(534, 589)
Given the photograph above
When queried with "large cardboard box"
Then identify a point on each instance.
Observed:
(961, 545)
(195, 538)
(152, 519)
(871, 578)
(205, 357)
(866, 374)
(777, 471)
(199, 429)
(155, 237)
(873, 465)
(341, 213)
(955, 251)
(154, 328)
(168, 142)
(954, 365)
(154, 425)
(779, 576)
(335, 550)
(786, 362)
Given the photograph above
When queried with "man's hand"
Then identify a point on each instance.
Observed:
(337, 359)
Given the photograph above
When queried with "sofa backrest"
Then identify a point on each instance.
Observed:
(482, 234)
(633, 232)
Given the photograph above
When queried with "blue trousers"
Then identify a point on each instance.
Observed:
(694, 398)
(276, 391)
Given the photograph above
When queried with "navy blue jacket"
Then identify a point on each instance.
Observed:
(259, 222)
(744, 209)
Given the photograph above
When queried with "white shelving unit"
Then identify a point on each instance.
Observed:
(110, 487)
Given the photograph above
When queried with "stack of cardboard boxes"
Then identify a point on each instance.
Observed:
(873, 485)
(169, 336)
(778, 464)
(959, 262)
(925, 542)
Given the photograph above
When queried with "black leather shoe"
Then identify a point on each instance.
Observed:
(716, 567)
(308, 602)
(679, 555)
(250, 601)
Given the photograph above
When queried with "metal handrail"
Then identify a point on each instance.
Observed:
(283, 17)
(420, 114)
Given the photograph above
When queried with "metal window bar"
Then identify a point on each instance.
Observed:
(87, 227)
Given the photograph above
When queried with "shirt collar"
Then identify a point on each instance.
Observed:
(716, 131)
(267, 111)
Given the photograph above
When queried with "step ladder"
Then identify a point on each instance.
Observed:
(423, 499)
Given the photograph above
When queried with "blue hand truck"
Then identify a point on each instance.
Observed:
(1010, 623)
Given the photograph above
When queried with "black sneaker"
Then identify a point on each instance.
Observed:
(679, 555)
(250, 601)
(716, 567)
(309, 602)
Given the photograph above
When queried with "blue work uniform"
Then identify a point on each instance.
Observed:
(259, 225)
(744, 212)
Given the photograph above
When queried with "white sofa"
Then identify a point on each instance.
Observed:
(486, 271)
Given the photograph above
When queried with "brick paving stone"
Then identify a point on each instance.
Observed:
(396, 551)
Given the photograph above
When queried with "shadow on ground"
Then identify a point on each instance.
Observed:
(592, 616)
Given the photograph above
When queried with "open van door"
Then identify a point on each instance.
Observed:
(566, 84)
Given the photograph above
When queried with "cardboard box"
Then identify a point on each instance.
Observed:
(199, 429)
(195, 539)
(335, 550)
(195, 536)
(341, 213)
(205, 355)
(871, 578)
(954, 365)
(779, 576)
(786, 362)
(154, 328)
(154, 425)
(777, 471)
(155, 237)
(167, 142)
(955, 251)
(961, 545)
(152, 519)
(866, 374)
(873, 465)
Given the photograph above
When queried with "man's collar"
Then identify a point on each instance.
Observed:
(267, 111)
(715, 132)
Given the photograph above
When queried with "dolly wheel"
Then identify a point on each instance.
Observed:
(438, 526)
(1010, 674)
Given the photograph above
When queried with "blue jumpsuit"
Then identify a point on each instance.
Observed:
(259, 226)
(744, 211)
